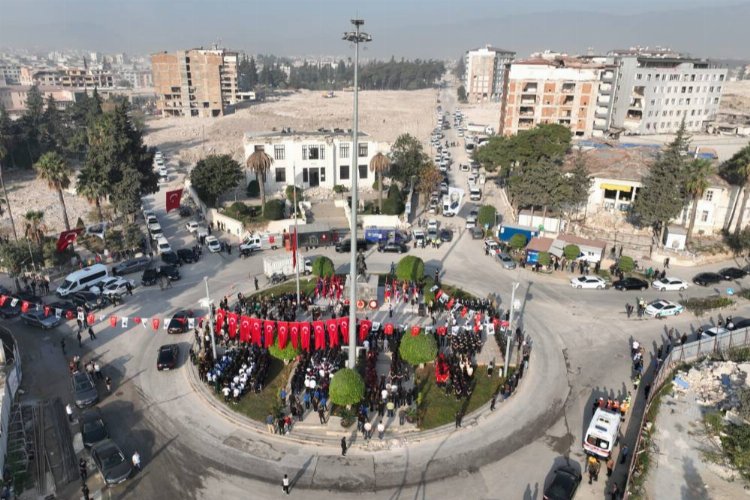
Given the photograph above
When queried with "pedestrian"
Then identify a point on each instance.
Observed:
(610, 466)
(368, 430)
(85, 492)
(136, 460)
(666, 263)
(285, 484)
(108, 383)
(343, 446)
(381, 430)
(458, 419)
(615, 492)
(646, 391)
(62, 345)
(255, 280)
(624, 454)
(597, 468)
(492, 403)
(83, 469)
(269, 423)
(91, 334)
(129, 288)
(69, 411)
(98, 371)
(78, 336)
(322, 414)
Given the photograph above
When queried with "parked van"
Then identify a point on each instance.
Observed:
(82, 279)
(601, 436)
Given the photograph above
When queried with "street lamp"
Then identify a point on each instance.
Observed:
(355, 37)
(207, 304)
(513, 307)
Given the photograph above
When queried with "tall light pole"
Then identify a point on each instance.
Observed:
(294, 246)
(355, 37)
(210, 318)
(510, 328)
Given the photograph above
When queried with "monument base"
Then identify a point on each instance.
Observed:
(367, 288)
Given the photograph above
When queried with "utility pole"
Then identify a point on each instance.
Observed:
(294, 242)
(510, 328)
(210, 318)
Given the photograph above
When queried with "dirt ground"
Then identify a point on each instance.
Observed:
(736, 97)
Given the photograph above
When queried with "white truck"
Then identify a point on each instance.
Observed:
(478, 128)
(253, 242)
(282, 264)
(452, 201)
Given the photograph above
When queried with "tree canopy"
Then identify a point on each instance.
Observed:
(214, 175)
(408, 159)
(543, 142)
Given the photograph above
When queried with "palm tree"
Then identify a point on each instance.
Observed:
(696, 183)
(53, 168)
(260, 163)
(92, 188)
(34, 225)
(736, 171)
(380, 164)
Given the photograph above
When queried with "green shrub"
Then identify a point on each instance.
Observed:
(347, 387)
(290, 193)
(323, 267)
(240, 208)
(253, 189)
(274, 210)
(571, 252)
(395, 193)
(487, 216)
(626, 264)
(518, 241)
(544, 259)
(418, 349)
(339, 188)
(288, 353)
(410, 268)
(392, 206)
(699, 305)
(376, 184)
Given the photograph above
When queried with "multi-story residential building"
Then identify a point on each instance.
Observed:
(554, 88)
(196, 82)
(11, 74)
(323, 158)
(657, 89)
(67, 78)
(13, 98)
(484, 77)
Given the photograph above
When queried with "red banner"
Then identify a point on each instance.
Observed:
(304, 332)
(344, 329)
(333, 332)
(220, 315)
(268, 328)
(256, 328)
(320, 332)
(388, 329)
(283, 335)
(155, 323)
(364, 329)
(233, 317)
(67, 238)
(24, 306)
(173, 199)
(244, 329)
(415, 330)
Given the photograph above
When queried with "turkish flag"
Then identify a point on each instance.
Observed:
(67, 238)
(137, 320)
(244, 329)
(220, 315)
(112, 321)
(91, 319)
(364, 329)
(438, 294)
(47, 309)
(304, 331)
(344, 329)
(256, 328)
(388, 329)
(3, 298)
(333, 332)
(173, 199)
(294, 334)
(24, 306)
(233, 317)
(283, 329)
(441, 330)
(415, 330)
(449, 304)
(155, 323)
(464, 311)
(320, 331)
(268, 327)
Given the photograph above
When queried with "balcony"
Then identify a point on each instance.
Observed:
(526, 111)
(567, 100)
(568, 88)
(601, 112)
(603, 99)
(608, 76)
(525, 123)
(530, 88)
(605, 88)
(528, 100)
(564, 121)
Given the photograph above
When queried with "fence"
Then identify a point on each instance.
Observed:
(678, 355)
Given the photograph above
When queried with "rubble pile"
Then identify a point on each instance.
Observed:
(715, 383)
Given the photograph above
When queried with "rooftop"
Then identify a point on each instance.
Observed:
(572, 239)
(493, 49)
(561, 62)
(540, 244)
(288, 133)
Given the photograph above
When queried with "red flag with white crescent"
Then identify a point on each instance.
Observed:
(220, 315)
(67, 238)
(344, 328)
(333, 332)
(244, 329)
(304, 331)
(173, 199)
(283, 333)
(294, 334)
(232, 325)
(364, 329)
(256, 328)
(319, 330)
(268, 328)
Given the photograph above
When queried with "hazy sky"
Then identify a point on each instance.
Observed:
(409, 28)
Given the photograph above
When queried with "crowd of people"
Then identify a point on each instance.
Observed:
(239, 370)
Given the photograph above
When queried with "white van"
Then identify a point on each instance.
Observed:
(475, 194)
(162, 245)
(601, 436)
(82, 279)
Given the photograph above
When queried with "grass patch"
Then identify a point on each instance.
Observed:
(700, 305)
(306, 285)
(435, 408)
(258, 406)
(248, 215)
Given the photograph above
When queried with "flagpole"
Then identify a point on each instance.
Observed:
(295, 242)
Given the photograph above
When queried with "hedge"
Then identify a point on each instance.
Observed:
(347, 387)
(253, 189)
(274, 210)
(290, 193)
(518, 241)
(626, 264)
(418, 349)
(410, 268)
(286, 354)
(323, 267)
(544, 259)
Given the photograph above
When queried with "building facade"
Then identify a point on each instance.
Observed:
(484, 77)
(195, 82)
(657, 89)
(320, 159)
(75, 78)
(13, 98)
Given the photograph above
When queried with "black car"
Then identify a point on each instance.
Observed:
(630, 284)
(111, 462)
(738, 324)
(150, 276)
(179, 322)
(345, 245)
(84, 389)
(168, 356)
(185, 211)
(563, 485)
(187, 256)
(63, 305)
(89, 300)
(93, 429)
(170, 272)
(131, 266)
(705, 279)
(8, 310)
(393, 247)
(477, 233)
(171, 258)
(446, 235)
(732, 273)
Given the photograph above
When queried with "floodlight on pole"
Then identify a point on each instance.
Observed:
(356, 37)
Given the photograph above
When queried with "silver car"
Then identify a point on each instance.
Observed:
(506, 261)
(38, 319)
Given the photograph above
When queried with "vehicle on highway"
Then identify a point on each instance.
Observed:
(168, 356)
(564, 484)
(345, 245)
(471, 221)
(506, 261)
(732, 273)
(446, 235)
(187, 256)
(171, 258)
(630, 283)
(84, 389)
(213, 244)
(111, 462)
(39, 320)
(392, 247)
(179, 322)
(705, 279)
(192, 226)
(83, 279)
(589, 281)
(669, 283)
(664, 308)
(93, 429)
(131, 266)
(118, 287)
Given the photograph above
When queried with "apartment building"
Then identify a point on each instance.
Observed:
(197, 82)
(75, 78)
(10, 74)
(657, 89)
(13, 98)
(555, 88)
(323, 158)
(484, 76)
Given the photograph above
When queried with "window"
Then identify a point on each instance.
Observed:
(280, 174)
(704, 216)
(639, 76)
(362, 150)
(305, 175)
(304, 152)
(344, 172)
(363, 171)
(279, 152)
(344, 150)
(322, 174)
(313, 153)
(259, 148)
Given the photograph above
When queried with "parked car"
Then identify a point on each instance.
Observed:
(8, 310)
(712, 332)
(111, 462)
(93, 429)
(118, 287)
(589, 281)
(732, 273)
(170, 272)
(477, 233)
(150, 276)
(506, 261)
(738, 323)
(171, 258)
(89, 300)
(179, 322)
(168, 357)
(131, 266)
(192, 226)
(705, 279)
(471, 221)
(187, 256)
(345, 245)
(630, 283)
(185, 211)
(491, 246)
(663, 308)
(669, 283)
(392, 247)
(564, 484)
(446, 235)
(39, 320)
(84, 389)
(213, 244)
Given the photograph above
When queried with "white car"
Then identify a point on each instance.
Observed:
(163, 171)
(492, 246)
(464, 167)
(147, 214)
(662, 308)
(192, 226)
(589, 281)
(713, 332)
(471, 222)
(99, 288)
(669, 284)
(118, 287)
(213, 244)
(432, 224)
(154, 227)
